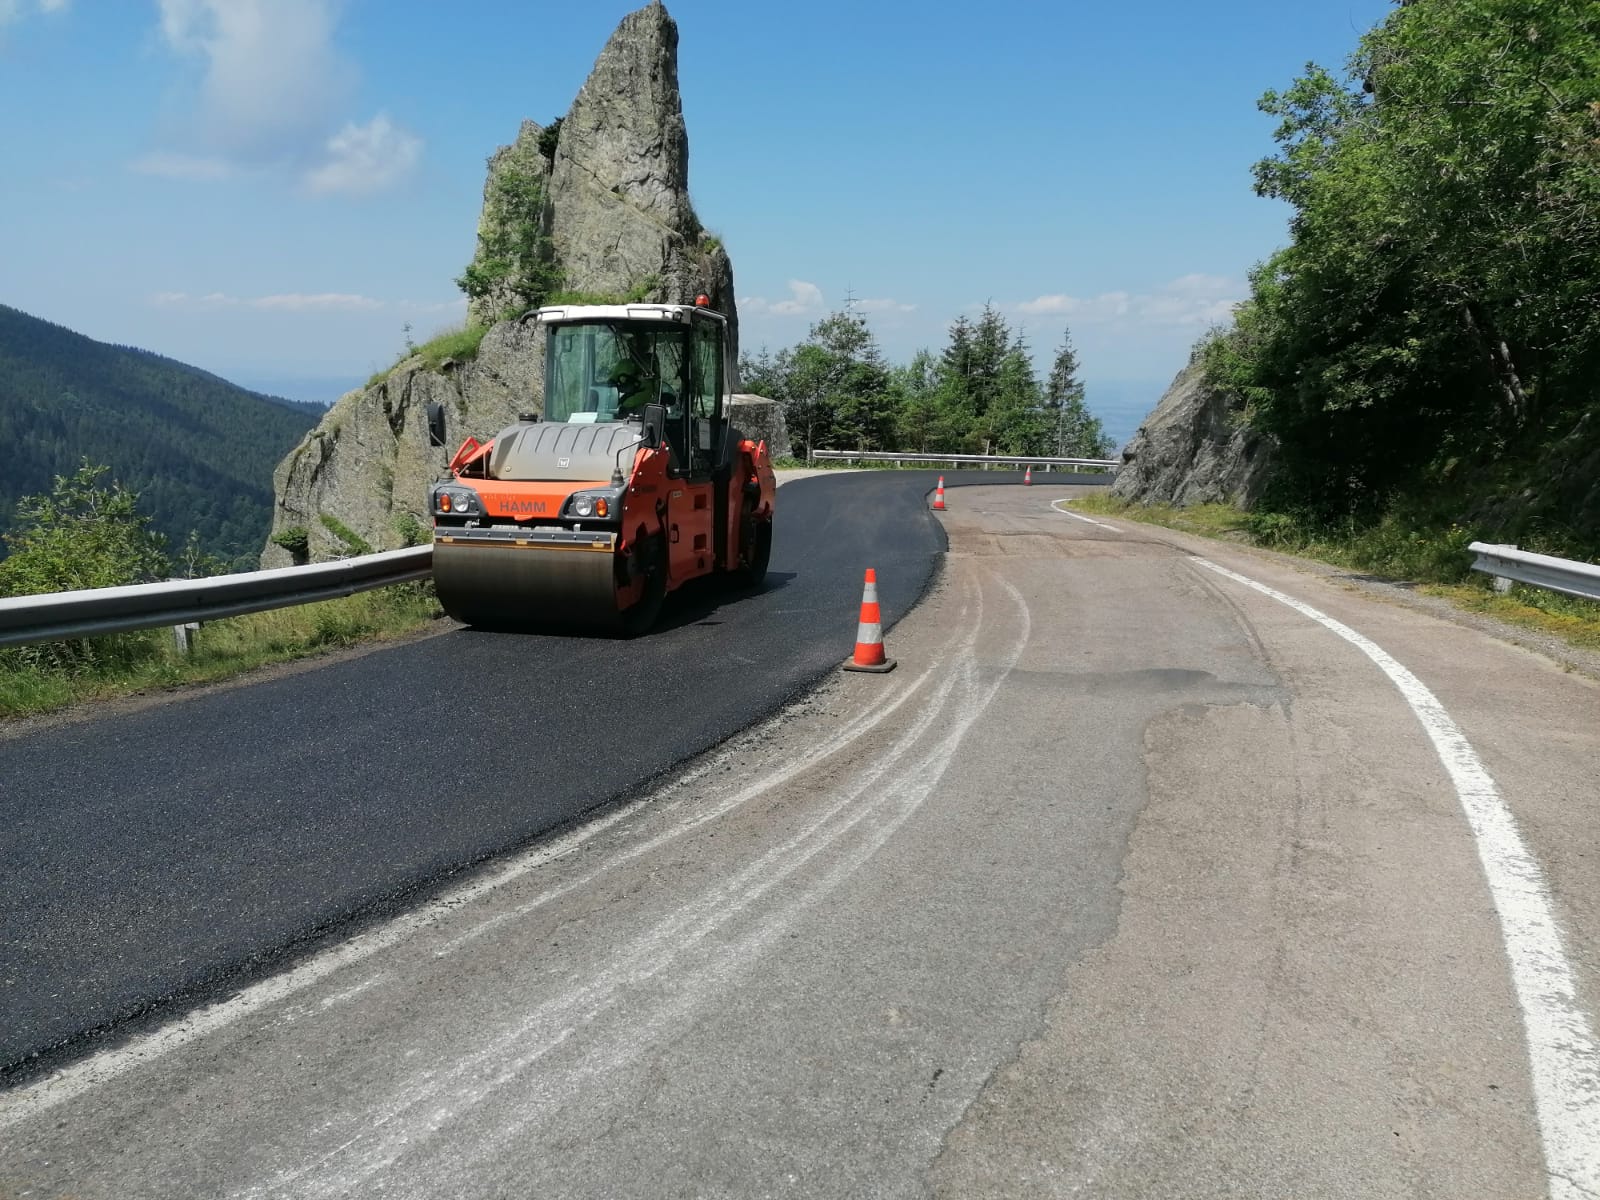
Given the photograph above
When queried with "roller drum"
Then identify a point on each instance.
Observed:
(513, 585)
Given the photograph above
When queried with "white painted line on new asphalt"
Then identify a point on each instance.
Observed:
(1056, 504)
(1562, 1054)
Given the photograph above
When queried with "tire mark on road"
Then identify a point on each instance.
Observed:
(431, 1101)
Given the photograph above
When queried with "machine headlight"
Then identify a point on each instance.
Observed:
(603, 506)
(455, 500)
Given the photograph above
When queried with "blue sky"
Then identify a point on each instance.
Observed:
(274, 189)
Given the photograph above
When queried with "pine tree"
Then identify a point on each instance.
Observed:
(1076, 432)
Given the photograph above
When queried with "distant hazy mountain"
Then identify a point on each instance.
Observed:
(199, 450)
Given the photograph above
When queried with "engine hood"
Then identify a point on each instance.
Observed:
(563, 453)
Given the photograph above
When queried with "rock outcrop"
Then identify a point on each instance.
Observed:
(620, 214)
(614, 220)
(1194, 448)
(516, 173)
(761, 420)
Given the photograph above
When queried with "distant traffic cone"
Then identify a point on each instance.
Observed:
(938, 496)
(1027, 476)
(869, 655)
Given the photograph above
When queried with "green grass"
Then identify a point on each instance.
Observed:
(1574, 621)
(637, 294)
(1207, 520)
(1437, 558)
(460, 344)
(220, 650)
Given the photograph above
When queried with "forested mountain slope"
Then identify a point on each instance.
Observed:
(198, 449)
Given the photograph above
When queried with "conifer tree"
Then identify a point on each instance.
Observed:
(1074, 431)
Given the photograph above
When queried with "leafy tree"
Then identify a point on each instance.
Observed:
(834, 387)
(82, 534)
(980, 393)
(914, 390)
(1434, 319)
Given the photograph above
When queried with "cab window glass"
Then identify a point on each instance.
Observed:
(706, 378)
(601, 372)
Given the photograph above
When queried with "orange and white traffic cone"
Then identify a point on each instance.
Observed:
(1027, 476)
(869, 655)
(938, 496)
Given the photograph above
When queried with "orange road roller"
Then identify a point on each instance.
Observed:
(631, 482)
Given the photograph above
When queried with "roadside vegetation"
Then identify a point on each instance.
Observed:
(1424, 354)
(88, 532)
(460, 344)
(1426, 351)
(979, 395)
(1394, 549)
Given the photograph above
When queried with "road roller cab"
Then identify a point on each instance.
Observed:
(631, 482)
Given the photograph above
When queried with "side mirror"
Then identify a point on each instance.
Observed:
(435, 424)
(655, 424)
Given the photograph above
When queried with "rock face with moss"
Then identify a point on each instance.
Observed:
(594, 207)
(513, 261)
(619, 184)
(1194, 448)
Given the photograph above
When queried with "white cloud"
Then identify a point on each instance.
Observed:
(1188, 301)
(321, 301)
(366, 158)
(884, 306)
(272, 91)
(804, 299)
(15, 10)
(288, 302)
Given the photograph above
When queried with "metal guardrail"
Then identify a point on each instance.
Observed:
(1540, 570)
(96, 611)
(997, 460)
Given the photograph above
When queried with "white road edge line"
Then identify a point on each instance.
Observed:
(1056, 504)
(1562, 1054)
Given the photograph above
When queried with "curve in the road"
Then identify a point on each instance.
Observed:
(155, 855)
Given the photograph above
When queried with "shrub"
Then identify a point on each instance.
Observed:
(296, 540)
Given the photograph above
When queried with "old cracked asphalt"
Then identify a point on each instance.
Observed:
(1129, 881)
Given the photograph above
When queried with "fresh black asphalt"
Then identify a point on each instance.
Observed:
(158, 856)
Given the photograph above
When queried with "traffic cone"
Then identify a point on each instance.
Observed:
(938, 496)
(1027, 476)
(869, 654)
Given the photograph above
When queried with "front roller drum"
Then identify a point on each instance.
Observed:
(518, 585)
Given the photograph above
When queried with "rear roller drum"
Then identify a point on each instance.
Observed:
(755, 549)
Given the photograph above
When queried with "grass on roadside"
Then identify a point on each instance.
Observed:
(1437, 560)
(220, 650)
(460, 344)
